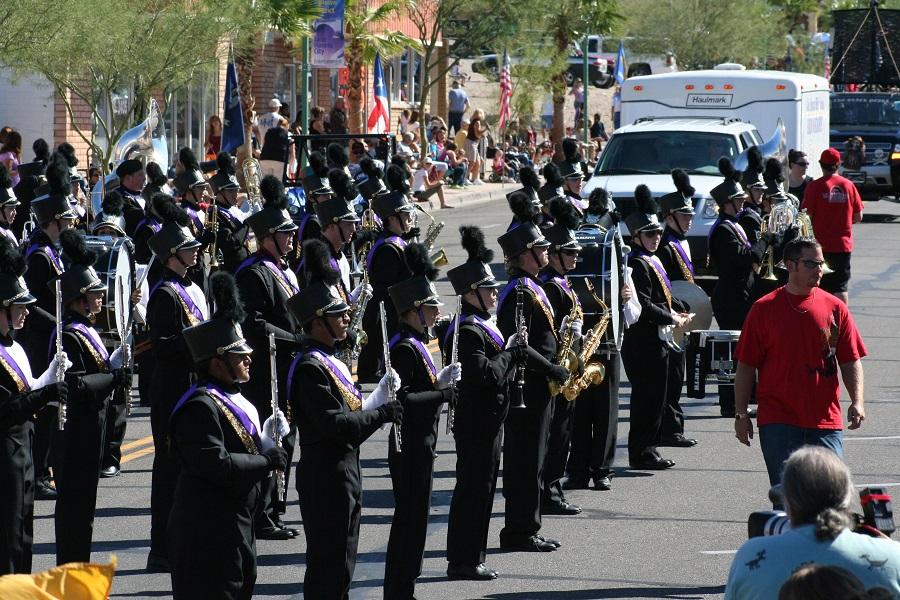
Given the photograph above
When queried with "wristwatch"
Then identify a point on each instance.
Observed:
(741, 416)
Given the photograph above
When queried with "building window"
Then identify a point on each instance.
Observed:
(289, 91)
(188, 111)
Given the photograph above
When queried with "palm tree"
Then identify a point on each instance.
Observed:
(363, 41)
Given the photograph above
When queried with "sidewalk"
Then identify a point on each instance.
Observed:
(479, 194)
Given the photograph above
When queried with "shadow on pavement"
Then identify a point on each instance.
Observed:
(674, 593)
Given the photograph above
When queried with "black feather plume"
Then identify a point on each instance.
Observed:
(5, 180)
(397, 179)
(318, 164)
(472, 240)
(755, 160)
(522, 206)
(11, 260)
(726, 168)
(529, 178)
(75, 249)
(598, 202)
(155, 176)
(773, 171)
(645, 201)
(337, 154)
(342, 185)
(552, 175)
(188, 159)
(564, 213)
(272, 190)
(225, 162)
(68, 150)
(419, 262)
(165, 208)
(225, 293)
(370, 168)
(317, 263)
(683, 182)
(41, 150)
(570, 150)
(57, 174)
(113, 203)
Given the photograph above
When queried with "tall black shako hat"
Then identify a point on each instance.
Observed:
(225, 179)
(174, 235)
(475, 272)
(192, 176)
(519, 239)
(644, 218)
(222, 334)
(320, 297)
(373, 184)
(730, 188)
(561, 234)
(342, 185)
(752, 177)
(12, 266)
(396, 200)
(335, 210)
(678, 201)
(80, 277)
(274, 216)
(418, 290)
(525, 207)
(317, 183)
(7, 196)
(54, 204)
(554, 181)
(530, 186)
(111, 215)
(774, 178)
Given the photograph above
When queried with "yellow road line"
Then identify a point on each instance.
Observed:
(141, 442)
(137, 454)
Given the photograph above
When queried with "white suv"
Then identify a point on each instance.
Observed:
(647, 151)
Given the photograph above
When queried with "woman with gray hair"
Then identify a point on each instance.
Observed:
(817, 493)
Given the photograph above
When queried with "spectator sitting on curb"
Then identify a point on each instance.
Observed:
(427, 182)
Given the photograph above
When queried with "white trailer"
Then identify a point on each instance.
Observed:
(801, 101)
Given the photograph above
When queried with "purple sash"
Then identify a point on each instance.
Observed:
(10, 362)
(225, 214)
(676, 244)
(563, 284)
(242, 417)
(195, 217)
(478, 322)
(330, 364)
(538, 291)
(392, 239)
(182, 293)
(426, 355)
(89, 334)
(50, 252)
(734, 226)
(150, 222)
(657, 265)
(289, 287)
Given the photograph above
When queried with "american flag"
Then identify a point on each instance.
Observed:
(505, 91)
(379, 118)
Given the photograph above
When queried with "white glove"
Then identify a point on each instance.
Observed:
(380, 394)
(117, 358)
(49, 376)
(267, 435)
(513, 340)
(357, 291)
(449, 374)
(573, 325)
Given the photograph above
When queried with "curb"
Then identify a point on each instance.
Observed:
(480, 195)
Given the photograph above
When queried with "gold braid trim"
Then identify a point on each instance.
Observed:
(685, 272)
(349, 396)
(239, 429)
(101, 362)
(547, 313)
(12, 373)
(192, 319)
(662, 282)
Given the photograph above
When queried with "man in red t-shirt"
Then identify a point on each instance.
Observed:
(795, 340)
(834, 206)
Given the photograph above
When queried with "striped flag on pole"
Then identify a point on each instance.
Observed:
(379, 118)
(505, 91)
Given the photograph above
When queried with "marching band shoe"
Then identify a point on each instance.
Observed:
(576, 482)
(280, 525)
(677, 441)
(548, 540)
(602, 483)
(471, 572)
(158, 564)
(45, 492)
(560, 507)
(110, 471)
(274, 533)
(652, 463)
(532, 543)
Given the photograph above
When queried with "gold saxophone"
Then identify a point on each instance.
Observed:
(565, 356)
(594, 371)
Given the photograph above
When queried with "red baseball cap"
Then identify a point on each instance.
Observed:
(830, 157)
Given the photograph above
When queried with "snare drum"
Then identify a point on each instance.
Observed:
(115, 267)
(710, 354)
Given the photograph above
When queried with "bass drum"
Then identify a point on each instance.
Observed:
(598, 276)
(115, 267)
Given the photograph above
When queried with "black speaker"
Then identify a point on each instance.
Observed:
(866, 46)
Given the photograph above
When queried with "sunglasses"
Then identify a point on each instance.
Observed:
(653, 233)
(811, 264)
(569, 252)
(802, 164)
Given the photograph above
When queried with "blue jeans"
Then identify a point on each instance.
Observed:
(778, 441)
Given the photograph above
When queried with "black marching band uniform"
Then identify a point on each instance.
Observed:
(8, 201)
(751, 214)
(225, 455)
(21, 396)
(565, 303)
(317, 188)
(192, 190)
(482, 403)
(527, 429)
(675, 255)
(423, 394)
(134, 202)
(265, 284)
(232, 233)
(176, 303)
(644, 354)
(333, 419)
(736, 259)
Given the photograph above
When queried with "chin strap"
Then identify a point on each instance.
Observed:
(480, 301)
(329, 329)
(425, 329)
(229, 368)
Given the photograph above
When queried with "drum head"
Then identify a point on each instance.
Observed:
(115, 267)
(612, 273)
(122, 294)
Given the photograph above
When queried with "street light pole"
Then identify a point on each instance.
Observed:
(304, 95)
(584, 80)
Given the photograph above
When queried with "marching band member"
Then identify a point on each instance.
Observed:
(338, 221)
(8, 205)
(675, 255)
(482, 403)
(526, 208)
(333, 420)
(53, 215)
(387, 266)
(132, 179)
(231, 235)
(76, 451)
(110, 221)
(773, 195)
(225, 455)
(644, 354)
(561, 259)
(423, 394)
(527, 429)
(750, 216)
(736, 259)
(317, 188)
(573, 176)
(266, 283)
(194, 194)
(21, 396)
(553, 183)
(176, 303)
(148, 226)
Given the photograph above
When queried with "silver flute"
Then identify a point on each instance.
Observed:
(60, 366)
(276, 434)
(392, 395)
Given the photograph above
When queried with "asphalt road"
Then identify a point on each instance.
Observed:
(654, 535)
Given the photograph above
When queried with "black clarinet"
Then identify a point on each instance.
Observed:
(518, 397)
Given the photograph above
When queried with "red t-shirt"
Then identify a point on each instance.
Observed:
(797, 343)
(831, 201)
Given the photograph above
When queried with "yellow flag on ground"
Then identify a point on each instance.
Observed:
(72, 581)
